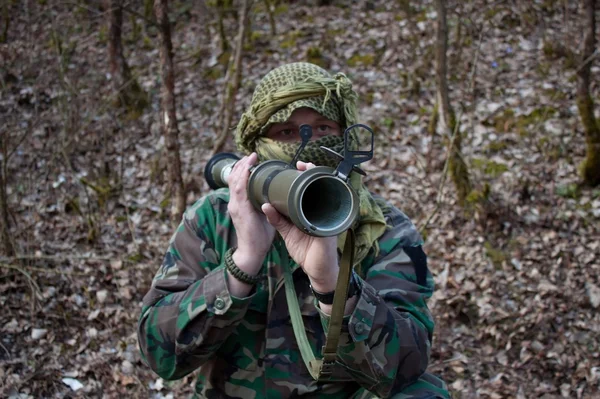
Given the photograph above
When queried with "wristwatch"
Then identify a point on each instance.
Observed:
(327, 297)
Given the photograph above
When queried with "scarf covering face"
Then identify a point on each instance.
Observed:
(299, 85)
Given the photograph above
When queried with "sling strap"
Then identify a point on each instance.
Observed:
(321, 369)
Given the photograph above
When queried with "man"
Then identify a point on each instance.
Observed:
(218, 301)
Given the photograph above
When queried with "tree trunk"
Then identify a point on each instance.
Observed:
(232, 80)
(168, 120)
(269, 5)
(457, 167)
(5, 21)
(220, 5)
(205, 21)
(590, 168)
(6, 244)
(129, 93)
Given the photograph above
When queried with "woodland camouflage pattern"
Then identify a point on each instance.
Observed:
(245, 347)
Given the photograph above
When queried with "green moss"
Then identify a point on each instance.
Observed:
(369, 96)
(313, 52)
(421, 16)
(103, 34)
(496, 146)
(568, 191)
(388, 123)
(492, 12)
(507, 121)
(165, 203)
(335, 32)
(543, 69)
(364, 60)
(147, 43)
(103, 188)
(495, 255)
(510, 21)
(315, 56)
(476, 197)
(555, 51)
(135, 258)
(488, 167)
(255, 36)
(281, 8)
(548, 50)
(555, 94)
(223, 58)
(537, 116)
(290, 40)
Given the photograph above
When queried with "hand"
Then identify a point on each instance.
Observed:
(316, 255)
(254, 233)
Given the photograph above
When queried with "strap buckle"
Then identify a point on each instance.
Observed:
(327, 368)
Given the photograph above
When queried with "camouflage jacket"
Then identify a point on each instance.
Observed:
(245, 347)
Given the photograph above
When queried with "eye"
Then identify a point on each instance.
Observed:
(323, 128)
(286, 132)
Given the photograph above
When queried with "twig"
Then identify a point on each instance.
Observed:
(60, 258)
(137, 14)
(421, 166)
(53, 271)
(586, 61)
(5, 350)
(33, 286)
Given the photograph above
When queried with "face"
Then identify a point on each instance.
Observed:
(289, 131)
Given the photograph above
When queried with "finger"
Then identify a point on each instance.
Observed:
(276, 219)
(238, 179)
(252, 159)
(245, 171)
(300, 165)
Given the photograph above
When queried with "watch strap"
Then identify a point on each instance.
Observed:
(327, 297)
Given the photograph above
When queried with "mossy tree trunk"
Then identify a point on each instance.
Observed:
(456, 164)
(232, 80)
(168, 118)
(590, 168)
(129, 93)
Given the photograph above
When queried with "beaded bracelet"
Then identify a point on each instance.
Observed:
(237, 272)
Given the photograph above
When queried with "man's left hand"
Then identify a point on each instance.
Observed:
(316, 255)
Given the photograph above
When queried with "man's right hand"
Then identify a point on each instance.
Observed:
(254, 233)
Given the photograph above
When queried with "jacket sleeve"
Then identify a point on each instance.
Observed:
(385, 343)
(188, 312)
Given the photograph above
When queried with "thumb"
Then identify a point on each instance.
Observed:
(276, 219)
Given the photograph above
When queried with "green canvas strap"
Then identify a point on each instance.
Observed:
(321, 368)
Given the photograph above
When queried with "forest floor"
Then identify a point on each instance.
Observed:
(517, 300)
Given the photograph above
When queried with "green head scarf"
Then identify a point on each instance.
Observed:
(298, 85)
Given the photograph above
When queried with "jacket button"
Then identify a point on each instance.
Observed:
(359, 328)
(219, 303)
